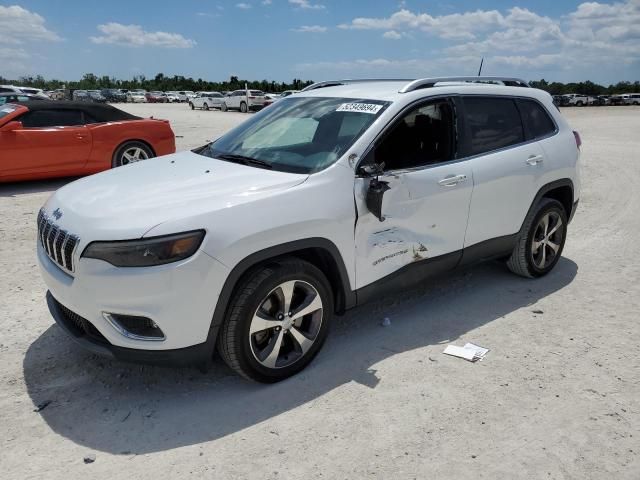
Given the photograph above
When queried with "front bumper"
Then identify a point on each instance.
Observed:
(87, 338)
(179, 297)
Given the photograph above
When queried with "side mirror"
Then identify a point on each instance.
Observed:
(11, 126)
(375, 195)
(371, 169)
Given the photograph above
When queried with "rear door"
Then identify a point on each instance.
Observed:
(50, 140)
(506, 167)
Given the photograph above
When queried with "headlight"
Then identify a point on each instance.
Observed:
(146, 252)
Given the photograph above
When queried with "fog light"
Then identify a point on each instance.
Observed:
(136, 328)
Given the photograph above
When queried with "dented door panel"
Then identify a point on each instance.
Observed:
(422, 219)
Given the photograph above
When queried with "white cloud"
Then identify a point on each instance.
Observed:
(18, 25)
(392, 35)
(135, 36)
(306, 4)
(266, 2)
(593, 35)
(310, 29)
(243, 6)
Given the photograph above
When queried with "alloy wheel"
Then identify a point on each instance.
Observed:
(547, 239)
(286, 324)
(133, 155)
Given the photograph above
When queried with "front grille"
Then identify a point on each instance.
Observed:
(80, 325)
(57, 243)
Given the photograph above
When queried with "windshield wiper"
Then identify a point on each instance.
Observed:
(244, 160)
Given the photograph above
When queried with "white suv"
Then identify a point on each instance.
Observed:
(321, 202)
(244, 100)
(206, 100)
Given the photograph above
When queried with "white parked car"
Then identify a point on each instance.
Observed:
(207, 100)
(632, 99)
(136, 96)
(244, 100)
(579, 100)
(249, 245)
(16, 89)
(174, 97)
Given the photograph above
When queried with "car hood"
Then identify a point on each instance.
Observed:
(128, 201)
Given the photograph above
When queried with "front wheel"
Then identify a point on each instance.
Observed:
(131, 152)
(192, 106)
(205, 106)
(541, 241)
(277, 321)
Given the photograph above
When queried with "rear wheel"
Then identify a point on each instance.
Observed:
(131, 152)
(243, 107)
(223, 107)
(542, 240)
(192, 106)
(277, 321)
(205, 106)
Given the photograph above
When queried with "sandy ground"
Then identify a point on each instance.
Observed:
(558, 396)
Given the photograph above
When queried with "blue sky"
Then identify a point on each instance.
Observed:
(319, 39)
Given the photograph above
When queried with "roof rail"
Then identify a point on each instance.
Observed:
(432, 82)
(336, 83)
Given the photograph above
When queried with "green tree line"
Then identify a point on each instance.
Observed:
(586, 88)
(89, 81)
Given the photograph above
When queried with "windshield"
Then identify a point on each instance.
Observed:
(300, 135)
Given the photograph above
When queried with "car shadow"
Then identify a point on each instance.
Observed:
(36, 186)
(131, 409)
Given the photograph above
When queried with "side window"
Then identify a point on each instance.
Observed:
(535, 118)
(424, 136)
(52, 118)
(492, 123)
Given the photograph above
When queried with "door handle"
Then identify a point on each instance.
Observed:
(452, 180)
(535, 159)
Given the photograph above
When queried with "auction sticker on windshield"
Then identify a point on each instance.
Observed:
(371, 108)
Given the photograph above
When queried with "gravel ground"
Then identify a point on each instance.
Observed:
(557, 397)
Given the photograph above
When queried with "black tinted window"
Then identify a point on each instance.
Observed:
(52, 118)
(536, 120)
(492, 123)
(424, 136)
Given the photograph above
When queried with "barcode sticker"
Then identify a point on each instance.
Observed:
(371, 108)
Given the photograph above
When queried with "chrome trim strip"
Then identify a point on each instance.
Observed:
(126, 333)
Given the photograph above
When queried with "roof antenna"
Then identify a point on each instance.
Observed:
(480, 69)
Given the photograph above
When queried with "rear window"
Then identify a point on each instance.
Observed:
(536, 120)
(493, 123)
(256, 93)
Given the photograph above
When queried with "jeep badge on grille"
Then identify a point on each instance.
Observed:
(57, 213)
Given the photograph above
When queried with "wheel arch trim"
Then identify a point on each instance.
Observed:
(346, 297)
(544, 190)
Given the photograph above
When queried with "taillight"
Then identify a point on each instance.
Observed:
(576, 135)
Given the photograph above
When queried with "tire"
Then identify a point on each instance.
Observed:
(192, 106)
(251, 354)
(205, 106)
(131, 152)
(530, 261)
(223, 107)
(579, 103)
(243, 107)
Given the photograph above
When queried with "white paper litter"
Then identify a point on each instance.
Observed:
(470, 352)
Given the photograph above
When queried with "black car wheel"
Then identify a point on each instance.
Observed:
(131, 152)
(277, 321)
(541, 241)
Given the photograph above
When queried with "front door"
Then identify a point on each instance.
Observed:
(425, 210)
(50, 140)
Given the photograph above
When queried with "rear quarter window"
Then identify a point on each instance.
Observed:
(536, 119)
(492, 123)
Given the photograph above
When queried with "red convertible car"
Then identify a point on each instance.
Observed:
(59, 139)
